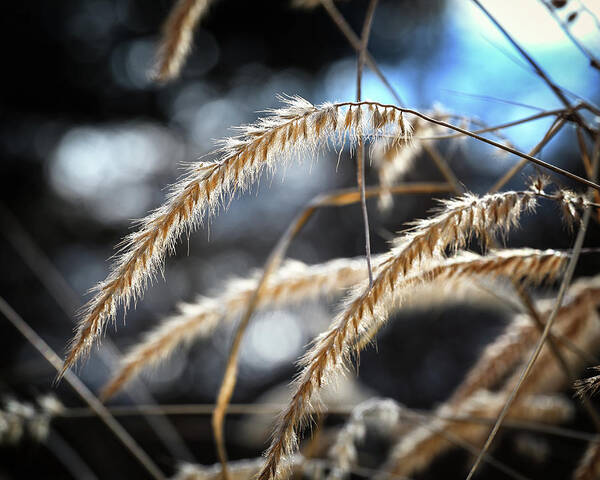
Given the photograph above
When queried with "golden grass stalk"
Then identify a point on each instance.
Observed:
(292, 283)
(576, 320)
(501, 356)
(460, 220)
(296, 128)
(331, 350)
(589, 465)
(545, 332)
(177, 36)
(498, 358)
(416, 450)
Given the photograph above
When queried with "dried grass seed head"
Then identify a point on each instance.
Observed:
(177, 37)
(292, 283)
(331, 350)
(297, 127)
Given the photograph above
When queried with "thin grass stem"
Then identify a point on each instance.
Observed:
(561, 294)
(100, 410)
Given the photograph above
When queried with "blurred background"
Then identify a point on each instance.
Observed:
(88, 143)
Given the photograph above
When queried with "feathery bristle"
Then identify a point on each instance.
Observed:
(416, 450)
(177, 36)
(588, 386)
(331, 349)
(292, 283)
(394, 156)
(508, 350)
(297, 127)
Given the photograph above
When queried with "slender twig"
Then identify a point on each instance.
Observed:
(587, 163)
(489, 98)
(442, 165)
(465, 445)
(570, 270)
(69, 302)
(41, 346)
(337, 198)
(557, 91)
(559, 357)
(506, 148)
(552, 131)
(360, 153)
(519, 307)
(585, 156)
(354, 41)
(513, 123)
(538, 69)
(274, 408)
(585, 9)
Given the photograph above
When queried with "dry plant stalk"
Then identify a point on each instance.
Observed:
(502, 355)
(415, 451)
(331, 350)
(177, 36)
(292, 283)
(299, 127)
(577, 320)
(582, 330)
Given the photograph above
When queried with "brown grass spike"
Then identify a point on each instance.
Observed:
(299, 127)
(177, 36)
(331, 350)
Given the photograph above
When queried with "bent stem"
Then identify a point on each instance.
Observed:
(68, 300)
(559, 357)
(493, 143)
(100, 410)
(594, 62)
(356, 43)
(337, 198)
(538, 70)
(559, 299)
